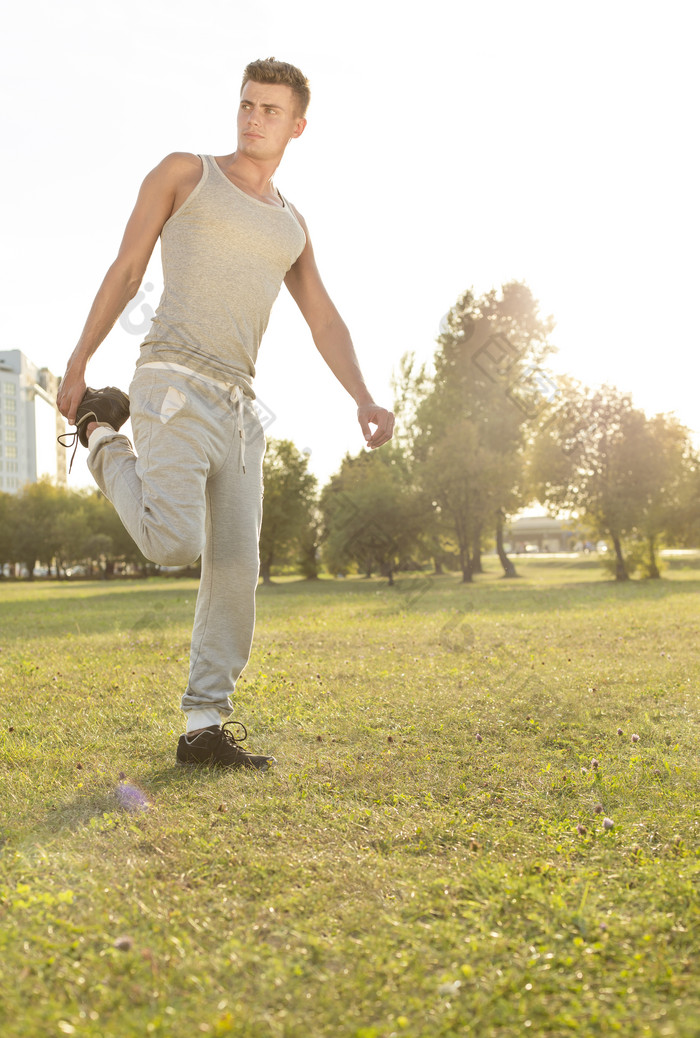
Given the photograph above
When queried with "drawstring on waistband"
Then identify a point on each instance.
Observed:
(237, 401)
(235, 391)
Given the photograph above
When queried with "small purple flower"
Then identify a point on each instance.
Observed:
(478, 737)
(598, 809)
(594, 764)
(608, 824)
(620, 732)
(123, 943)
(581, 829)
(635, 738)
(131, 798)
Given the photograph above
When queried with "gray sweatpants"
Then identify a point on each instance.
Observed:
(193, 485)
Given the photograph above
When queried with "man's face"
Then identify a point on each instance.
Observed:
(267, 120)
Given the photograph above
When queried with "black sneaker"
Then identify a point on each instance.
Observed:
(218, 747)
(108, 405)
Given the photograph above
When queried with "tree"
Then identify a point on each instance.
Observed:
(7, 528)
(73, 529)
(686, 530)
(411, 385)
(116, 544)
(310, 545)
(671, 465)
(60, 527)
(373, 516)
(287, 505)
(38, 534)
(592, 460)
(476, 414)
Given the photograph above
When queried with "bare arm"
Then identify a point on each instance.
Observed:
(155, 203)
(333, 342)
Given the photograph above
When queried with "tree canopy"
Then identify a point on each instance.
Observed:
(473, 417)
(481, 432)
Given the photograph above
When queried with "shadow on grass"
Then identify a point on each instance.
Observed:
(130, 798)
(91, 608)
(443, 594)
(115, 607)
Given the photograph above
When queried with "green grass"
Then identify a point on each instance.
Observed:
(427, 859)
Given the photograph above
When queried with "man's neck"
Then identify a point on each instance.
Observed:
(254, 177)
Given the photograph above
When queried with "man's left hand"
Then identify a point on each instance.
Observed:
(381, 418)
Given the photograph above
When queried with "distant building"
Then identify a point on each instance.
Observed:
(542, 533)
(29, 423)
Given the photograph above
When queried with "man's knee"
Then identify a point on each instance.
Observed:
(175, 557)
(173, 549)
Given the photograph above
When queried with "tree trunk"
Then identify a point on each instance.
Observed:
(438, 566)
(620, 568)
(653, 573)
(308, 561)
(476, 553)
(508, 567)
(465, 564)
(265, 565)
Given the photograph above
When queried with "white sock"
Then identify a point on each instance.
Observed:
(99, 433)
(202, 719)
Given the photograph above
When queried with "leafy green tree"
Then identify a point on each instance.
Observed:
(116, 544)
(686, 530)
(411, 385)
(671, 465)
(592, 460)
(38, 533)
(476, 414)
(373, 517)
(310, 545)
(72, 529)
(59, 527)
(8, 518)
(288, 504)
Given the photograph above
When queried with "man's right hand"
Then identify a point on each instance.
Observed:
(70, 393)
(163, 190)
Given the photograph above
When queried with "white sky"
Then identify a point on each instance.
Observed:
(461, 145)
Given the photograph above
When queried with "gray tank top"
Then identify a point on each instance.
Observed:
(225, 255)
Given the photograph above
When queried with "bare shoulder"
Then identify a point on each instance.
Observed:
(170, 182)
(178, 166)
(182, 160)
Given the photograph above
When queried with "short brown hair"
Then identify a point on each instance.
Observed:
(269, 70)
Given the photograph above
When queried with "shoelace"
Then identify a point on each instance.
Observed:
(74, 436)
(230, 737)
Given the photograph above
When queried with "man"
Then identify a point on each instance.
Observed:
(193, 484)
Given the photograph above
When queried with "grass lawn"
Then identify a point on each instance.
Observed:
(485, 819)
